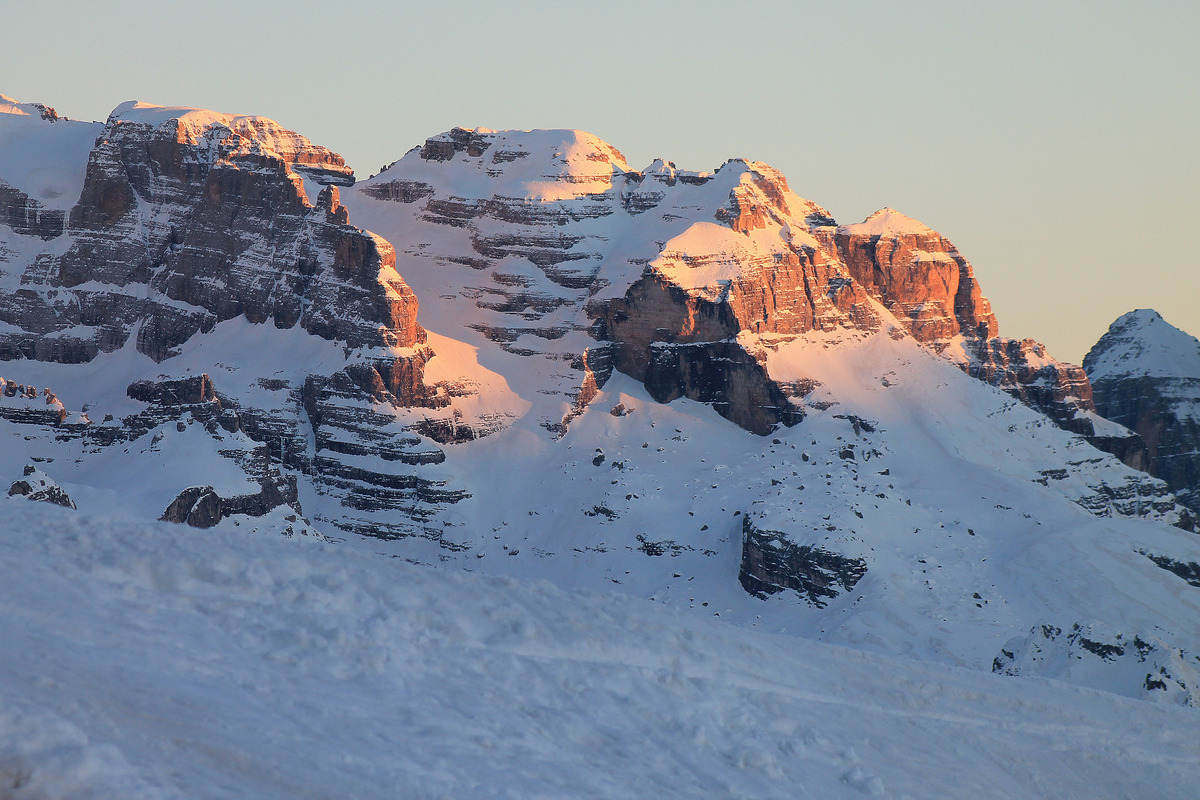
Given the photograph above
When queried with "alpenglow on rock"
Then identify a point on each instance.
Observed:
(1145, 375)
(209, 213)
(690, 386)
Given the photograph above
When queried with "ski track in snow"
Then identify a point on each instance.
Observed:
(147, 661)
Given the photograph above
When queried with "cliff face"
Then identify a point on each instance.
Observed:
(920, 276)
(189, 218)
(1146, 376)
(180, 220)
(548, 261)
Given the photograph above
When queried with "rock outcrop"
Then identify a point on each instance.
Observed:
(187, 218)
(1145, 375)
(27, 216)
(26, 404)
(1141, 664)
(772, 562)
(919, 275)
(38, 486)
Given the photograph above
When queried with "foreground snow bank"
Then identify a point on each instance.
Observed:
(155, 661)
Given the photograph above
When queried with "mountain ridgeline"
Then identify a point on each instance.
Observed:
(513, 351)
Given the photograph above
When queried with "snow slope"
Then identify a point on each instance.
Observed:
(1142, 343)
(148, 661)
(44, 158)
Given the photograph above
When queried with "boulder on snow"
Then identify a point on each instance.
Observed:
(198, 506)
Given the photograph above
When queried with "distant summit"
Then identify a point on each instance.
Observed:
(1145, 375)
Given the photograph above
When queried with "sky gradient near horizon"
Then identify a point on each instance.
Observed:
(1056, 144)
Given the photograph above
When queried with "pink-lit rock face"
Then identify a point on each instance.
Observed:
(918, 275)
(209, 213)
(662, 259)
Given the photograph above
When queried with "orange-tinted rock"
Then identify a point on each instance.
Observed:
(209, 213)
(918, 275)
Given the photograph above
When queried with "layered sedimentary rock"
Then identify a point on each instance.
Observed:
(185, 219)
(920, 276)
(545, 257)
(23, 403)
(189, 218)
(559, 242)
(1146, 376)
(772, 562)
(27, 216)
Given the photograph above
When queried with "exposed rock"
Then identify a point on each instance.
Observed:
(1146, 376)
(198, 506)
(1022, 368)
(202, 507)
(1144, 665)
(27, 405)
(27, 216)
(350, 439)
(37, 485)
(181, 392)
(918, 275)
(1187, 570)
(209, 214)
(772, 563)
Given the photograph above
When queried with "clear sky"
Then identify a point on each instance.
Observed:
(1055, 143)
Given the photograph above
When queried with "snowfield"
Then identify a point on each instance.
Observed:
(155, 661)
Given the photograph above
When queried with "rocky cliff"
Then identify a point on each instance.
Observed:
(187, 219)
(1146, 376)
(690, 386)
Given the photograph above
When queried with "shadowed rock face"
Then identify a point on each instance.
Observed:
(197, 219)
(772, 563)
(681, 345)
(1026, 371)
(27, 216)
(1146, 376)
(37, 486)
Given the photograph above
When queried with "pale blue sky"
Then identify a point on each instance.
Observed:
(1054, 143)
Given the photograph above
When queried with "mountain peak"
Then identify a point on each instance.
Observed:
(888, 222)
(11, 106)
(1142, 342)
(259, 135)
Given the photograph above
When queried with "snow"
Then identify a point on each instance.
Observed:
(46, 160)
(886, 222)
(1142, 343)
(1105, 427)
(707, 255)
(551, 166)
(579, 660)
(154, 115)
(148, 661)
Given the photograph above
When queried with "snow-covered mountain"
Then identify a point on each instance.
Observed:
(513, 353)
(1146, 376)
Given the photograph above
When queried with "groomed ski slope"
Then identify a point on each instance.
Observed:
(155, 661)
